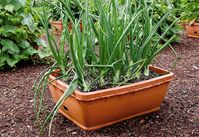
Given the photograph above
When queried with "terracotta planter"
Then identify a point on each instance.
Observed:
(193, 30)
(94, 110)
(56, 27)
(70, 26)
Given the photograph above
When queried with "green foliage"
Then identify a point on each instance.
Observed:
(190, 10)
(55, 8)
(162, 7)
(18, 32)
(55, 13)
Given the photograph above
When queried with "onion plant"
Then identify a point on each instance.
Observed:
(114, 46)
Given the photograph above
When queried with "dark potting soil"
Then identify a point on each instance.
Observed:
(96, 86)
(178, 116)
(108, 81)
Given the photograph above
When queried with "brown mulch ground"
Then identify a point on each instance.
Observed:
(177, 117)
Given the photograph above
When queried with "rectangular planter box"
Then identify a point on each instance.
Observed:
(193, 30)
(94, 110)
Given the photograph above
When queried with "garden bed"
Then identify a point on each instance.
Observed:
(178, 114)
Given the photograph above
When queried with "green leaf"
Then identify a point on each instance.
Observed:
(9, 8)
(28, 21)
(23, 2)
(18, 4)
(3, 57)
(43, 53)
(2, 66)
(12, 61)
(10, 46)
(29, 51)
(25, 54)
(24, 44)
(40, 42)
(6, 30)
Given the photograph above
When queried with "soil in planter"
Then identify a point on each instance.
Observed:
(96, 86)
(108, 81)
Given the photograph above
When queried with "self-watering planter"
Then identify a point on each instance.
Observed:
(56, 26)
(94, 110)
(70, 26)
(193, 30)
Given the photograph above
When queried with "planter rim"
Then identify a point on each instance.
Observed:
(105, 93)
(195, 23)
(56, 21)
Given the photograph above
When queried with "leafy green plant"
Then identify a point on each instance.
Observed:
(18, 33)
(56, 6)
(55, 12)
(190, 10)
(160, 9)
(115, 49)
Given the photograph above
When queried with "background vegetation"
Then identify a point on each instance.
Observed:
(19, 33)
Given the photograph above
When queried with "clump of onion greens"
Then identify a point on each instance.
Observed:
(118, 42)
